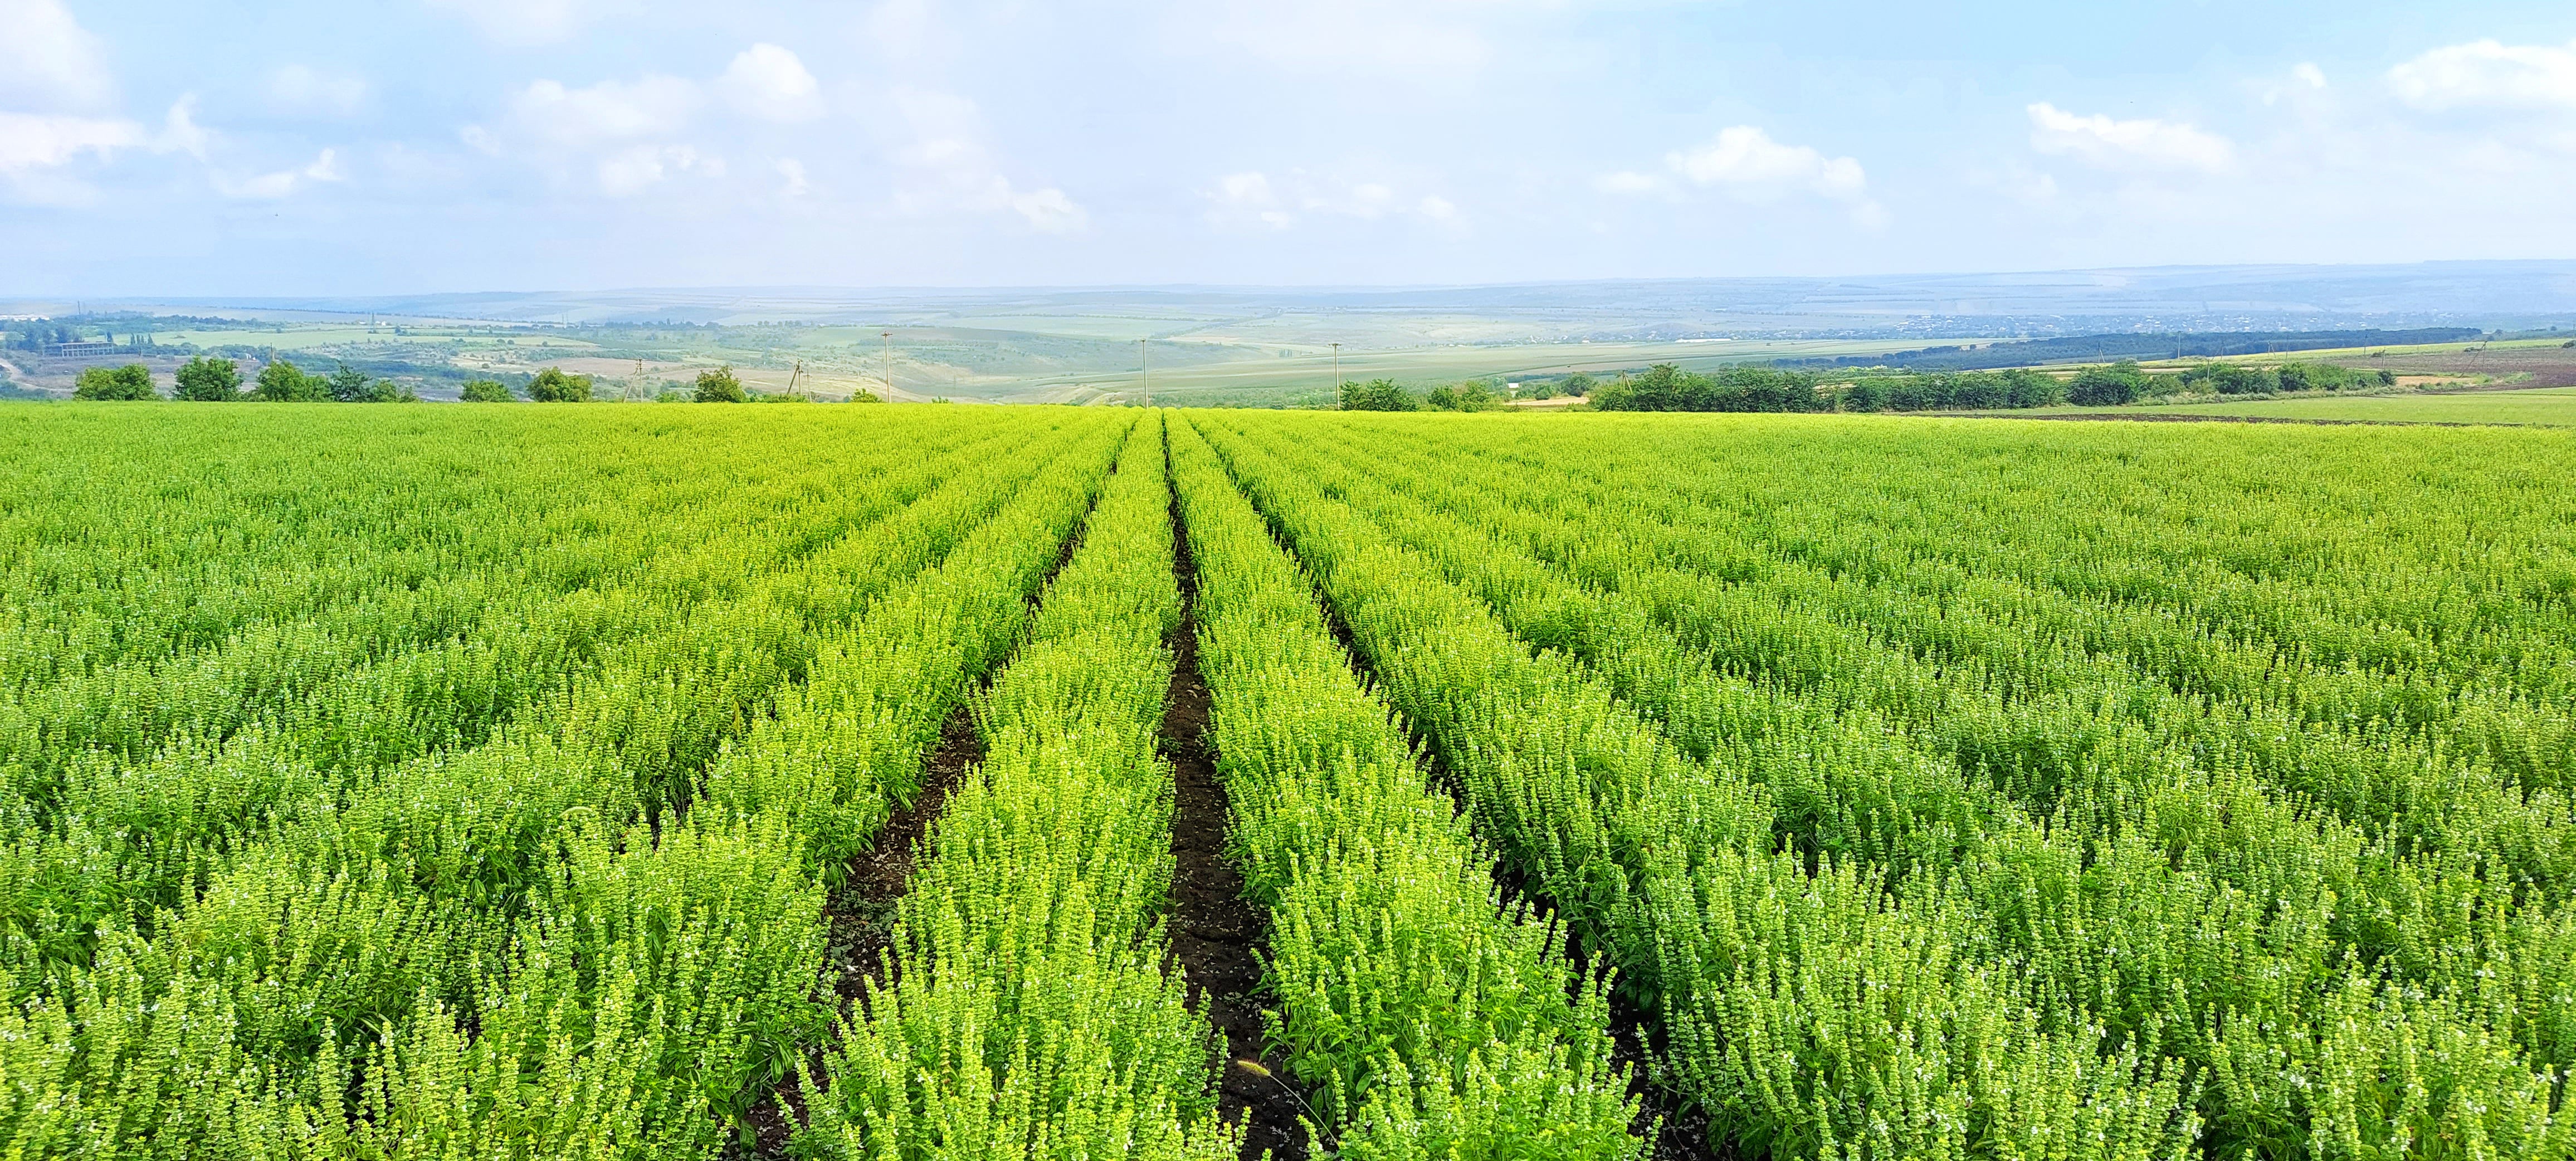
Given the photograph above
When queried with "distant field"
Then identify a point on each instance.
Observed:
(2553, 406)
(2517, 363)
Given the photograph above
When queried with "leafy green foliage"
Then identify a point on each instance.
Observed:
(382, 784)
(1473, 395)
(484, 391)
(430, 873)
(1378, 395)
(1028, 1009)
(283, 382)
(129, 382)
(552, 385)
(1995, 781)
(1427, 1017)
(1952, 390)
(2121, 382)
(2243, 379)
(719, 386)
(207, 379)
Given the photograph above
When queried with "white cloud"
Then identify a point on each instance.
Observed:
(271, 186)
(32, 141)
(2140, 144)
(48, 62)
(770, 82)
(1745, 160)
(1248, 197)
(794, 171)
(1049, 211)
(38, 141)
(608, 112)
(300, 90)
(1745, 163)
(2308, 74)
(629, 172)
(1252, 198)
(948, 167)
(181, 132)
(2489, 74)
(526, 23)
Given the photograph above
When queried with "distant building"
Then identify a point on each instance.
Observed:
(81, 349)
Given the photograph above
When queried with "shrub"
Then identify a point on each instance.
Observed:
(720, 386)
(2237, 379)
(1665, 387)
(484, 391)
(2111, 386)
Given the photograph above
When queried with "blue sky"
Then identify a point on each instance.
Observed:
(150, 147)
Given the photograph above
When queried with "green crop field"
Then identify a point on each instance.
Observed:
(914, 782)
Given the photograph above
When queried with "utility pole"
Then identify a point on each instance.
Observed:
(1337, 370)
(1144, 376)
(791, 378)
(888, 336)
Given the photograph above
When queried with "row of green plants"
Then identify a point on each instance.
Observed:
(2425, 709)
(1822, 1015)
(137, 535)
(1849, 786)
(372, 681)
(1424, 1013)
(2165, 858)
(1028, 1006)
(518, 948)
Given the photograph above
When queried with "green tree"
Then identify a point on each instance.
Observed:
(1378, 395)
(2119, 383)
(1472, 395)
(720, 386)
(206, 379)
(284, 382)
(131, 381)
(349, 385)
(864, 396)
(1577, 384)
(484, 391)
(553, 386)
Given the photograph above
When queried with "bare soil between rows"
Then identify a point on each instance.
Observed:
(860, 916)
(1636, 1040)
(1216, 933)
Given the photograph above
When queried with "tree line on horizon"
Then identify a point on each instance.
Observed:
(1749, 388)
(212, 379)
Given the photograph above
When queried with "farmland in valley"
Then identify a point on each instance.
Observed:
(913, 781)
